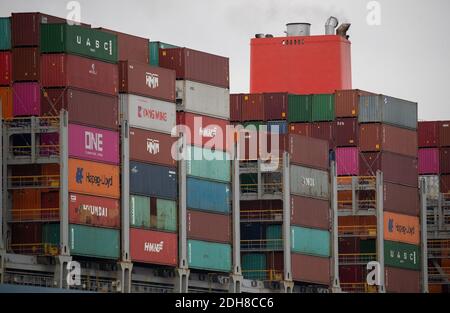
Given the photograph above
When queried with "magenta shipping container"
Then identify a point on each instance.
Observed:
(93, 144)
(347, 161)
(26, 99)
(429, 161)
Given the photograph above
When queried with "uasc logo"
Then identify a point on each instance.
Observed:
(152, 80)
(152, 114)
(152, 146)
(92, 45)
(153, 247)
(208, 132)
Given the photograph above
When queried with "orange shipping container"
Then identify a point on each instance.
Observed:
(401, 228)
(26, 204)
(7, 102)
(94, 178)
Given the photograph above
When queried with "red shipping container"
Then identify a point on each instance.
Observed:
(153, 247)
(351, 274)
(347, 102)
(347, 161)
(26, 99)
(380, 137)
(444, 134)
(275, 106)
(94, 211)
(64, 70)
(5, 68)
(196, 66)
(311, 269)
(401, 199)
(429, 161)
(131, 47)
(205, 131)
(6, 97)
(208, 226)
(50, 205)
(396, 168)
(303, 129)
(255, 205)
(147, 81)
(252, 107)
(349, 245)
(445, 184)
(25, 233)
(346, 132)
(445, 161)
(324, 131)
(26, 64)
(275, 262)
(272, 145)
(428, 134)
(235, 107)
(309, 152)
(151, 147)
(78, 103)
(400, 280)
(310, 212)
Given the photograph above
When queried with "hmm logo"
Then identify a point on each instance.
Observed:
(152, 146)
(152, 80)
(79, 175)
(207, 132)
(153, 247)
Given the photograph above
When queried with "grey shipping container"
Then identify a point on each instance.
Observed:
(153, 180)
(388, 110)
(309, 182)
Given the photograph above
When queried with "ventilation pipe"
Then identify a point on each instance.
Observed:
(331, 25)
(342, 30)
(259, 35)
(298, 29)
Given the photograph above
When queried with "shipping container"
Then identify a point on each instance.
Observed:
(274, 237)
(302, 129)
(252, 231)
(130, 47)
(352, 274)
(428, 159)
(310, 241)
(163, 214)
(311, 269)
(322, 107)
(78, 40)
(324, 131)
(257, 205)
(277, 127)
(401, 199)
(299, 108)
(26, 205)
(388, 110)
(5, 33)
(64, 70)
(349, 245)
(445, 184)
(401, 255)
(309, 182)
(205, 131)
(6, 98)
(5, 68)
(165, 186)
(94, 144)
(275, 106)
(26, 237)
(140, 211)
(26, 99)
(208, 195)
(347, 102)
(236, 107)
(254, 266)
(252, 107)
(94, 178)
(146, 113)
(209, 226)
(50, 205)
(209, 256)
(50, 234)
(94, 242)
(401, 228)
(153, 247)
(310, 152)
(347, 161)
(196, 66)
(151, 147)
(203, 99)
(275, 263)
(154, 47)
(310, 212)
(26, 64)
(431, 183)
(444, 134)
(347, 131)
(428, 134)
(380, 137)
(208, 164)
(396, 168)
(402, 280)
(147, 81)
(78, 103)
(94, 211)
(444, 161)
(49, 144)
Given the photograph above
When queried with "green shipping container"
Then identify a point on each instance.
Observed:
(140, 211)
(310, 241)
(50, 234)
(154, 47)
(209, 256)
(402, 255)
(5, 33)
(254, 124)
(249, 182)
(323, 108)
(299, 108)
(73, 39)
(166, 215)
(94, 241)
(368, 246)
(274, 237)
(204, 163)
(254, 266)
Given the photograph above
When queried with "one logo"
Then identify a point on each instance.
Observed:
(79, 175)
(391, 225)
(153, 247)
(93, 141)
(152, 146)
(152, 80)
(93, 70)
(208, 132)
(73, 277)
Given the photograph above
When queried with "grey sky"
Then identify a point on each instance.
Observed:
(407, 56)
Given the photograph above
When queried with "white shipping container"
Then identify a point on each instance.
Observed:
(309, 182)
(203, 99)
(147, 113)
(431, 186)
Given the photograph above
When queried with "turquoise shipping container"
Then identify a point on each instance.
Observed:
(94, 242)
(254, 266)
(209, 164)
(274, 237)
(166, 215)
(5, 33)
(310, 241)
(208, 195)
(140, 211)
(50, 234)
(209, 256)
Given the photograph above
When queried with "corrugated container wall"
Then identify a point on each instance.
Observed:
(252, 107)
(153, 247)
(347, 102)
(140, 211)
(401, 228)
(208, 163)
(428, 134)
(312, 269)
(26, 99)
(444, 134)
(310, 152)
(277, 127)
(130, 47)
(275, 106)
(401, 199)
(208, 195)
(429, 161)
(5, 33)
(26, 64)
(347, 131)
(209, 256)
(6, 97)
(299, 108)
(254, 266)
(325, 131)
(310, 241)
(165, 186)
(94, 211)
(208, 226)
(401, 255)
(310, 212)
(347, 161)
(235, 107)
(94, 242)
(323, 108)
(401, 280)
(302, 129)
(309, 182)
(445, 161)
(5, 68)
(154, 47)
(445, 184)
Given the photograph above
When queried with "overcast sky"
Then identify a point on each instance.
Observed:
(407, 56)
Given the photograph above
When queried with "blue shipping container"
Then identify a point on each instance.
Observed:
(282, 127)
(252, 231)
(208, 195)
(153, 180)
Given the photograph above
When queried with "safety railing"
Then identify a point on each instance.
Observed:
(369, 204)
(358, 230)
(263, 275)
(262, 245)
(41, 150)
(360, 182)
(267, 188)
(356, 258)
(45, 249)
(25, 122)
(38, 181)
(358, 288)
(262, 215)
(38, 214)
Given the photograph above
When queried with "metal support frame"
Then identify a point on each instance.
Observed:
(62, 271)
(3, 189)
(64, 184)
(287, 284)
(424, 235)
(124, 277)
(260, 183)
(335, 285)
(380, 229)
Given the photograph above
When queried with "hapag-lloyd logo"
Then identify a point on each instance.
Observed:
(93, 179)
(153, 247)
(152, 114)
(403, 229)
(152, 80)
